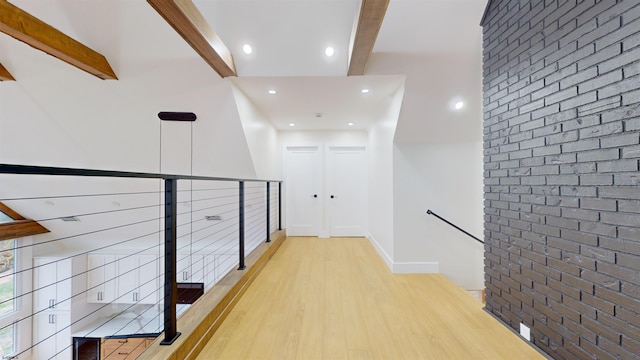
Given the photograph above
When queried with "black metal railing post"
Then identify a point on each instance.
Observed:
(280, 205)
(268, 211)
(170, 249)
(241, 233)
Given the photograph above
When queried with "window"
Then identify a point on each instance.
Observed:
(4, 218)
(7, 296)
(15, 281)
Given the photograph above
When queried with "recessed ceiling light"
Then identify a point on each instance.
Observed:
(329, 51)
(247, 49)
(350, 124)
(364, 91)
(272, 92)
(292, 124)
(459, 105)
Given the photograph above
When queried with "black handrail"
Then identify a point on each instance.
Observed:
(454, 225)
(48, 170)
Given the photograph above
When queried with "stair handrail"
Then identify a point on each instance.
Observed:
(429, 212)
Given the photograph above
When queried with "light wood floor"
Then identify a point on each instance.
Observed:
(336, 299)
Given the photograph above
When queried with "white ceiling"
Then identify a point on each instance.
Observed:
(288, 38)
(431, 26)
(321, 103)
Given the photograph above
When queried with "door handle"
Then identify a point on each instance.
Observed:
(333, 196)
(315, 195)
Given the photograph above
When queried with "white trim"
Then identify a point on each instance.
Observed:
(23, 304)
(383, 254)
(425, 267)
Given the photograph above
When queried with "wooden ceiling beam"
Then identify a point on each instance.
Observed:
(19, 227)
(369, 22)
(10, 213)
(5, 75)
(34, 32)
(186, 20)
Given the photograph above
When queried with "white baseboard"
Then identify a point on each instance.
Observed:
(427, 267)
(383, 254)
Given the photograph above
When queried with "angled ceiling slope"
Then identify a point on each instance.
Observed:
(42, 36)
(187, 21)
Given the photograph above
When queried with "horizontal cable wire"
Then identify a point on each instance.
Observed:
(77, 321)
(71, 278)
(79, 196)
(216, 244)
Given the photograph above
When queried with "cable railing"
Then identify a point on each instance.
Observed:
(429, 212)
(123, 252)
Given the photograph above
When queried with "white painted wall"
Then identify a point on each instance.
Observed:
(446, 178)
(338, 138)
(261, 136)
(57, 115)
(437, 163)
(381, 193)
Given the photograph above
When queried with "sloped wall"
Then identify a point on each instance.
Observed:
(57, 115)
(261, 137)
(562, 146)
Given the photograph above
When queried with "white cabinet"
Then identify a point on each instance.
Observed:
(137, 280)
(190, 268)
(52, 284)
(52, 297)
(101, 278)
(124, 279)
(51, 335)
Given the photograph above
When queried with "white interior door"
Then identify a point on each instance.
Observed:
(347, 191)
(303, 190)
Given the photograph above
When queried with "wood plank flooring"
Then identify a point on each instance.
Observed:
(336, 299)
